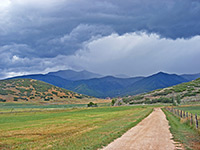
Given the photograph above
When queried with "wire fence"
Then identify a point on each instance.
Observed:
(194, 119)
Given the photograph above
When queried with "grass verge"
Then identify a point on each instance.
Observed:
(182, 132)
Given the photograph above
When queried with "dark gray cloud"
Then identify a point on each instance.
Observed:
(35, 33)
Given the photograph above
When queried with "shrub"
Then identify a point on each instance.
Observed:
(178, 99)
(6, 92)
(165, 92)
(126, 100)
(47, 99)
(55, 93)
(159, 100)
(113, 102)
(79, 96)
(91, 104)
(15, 98)
(138, 97)
(2, 100)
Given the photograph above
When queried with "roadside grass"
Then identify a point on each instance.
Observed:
(182, 132)
(70, 129)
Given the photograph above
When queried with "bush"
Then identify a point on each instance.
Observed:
(2, 100)
(138, 97)
(15, 98)
(178, 89)
(47, 99)
(79, 96)
(91, 104)
(190, 94)
(164, 93)
(126, 100)
(113, 102)
(139, 102)
(6, 92)
(178, 99)
(159, 100)
(55, 93)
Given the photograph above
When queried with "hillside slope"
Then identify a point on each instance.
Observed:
(32, 90)
(153, 82)
(191, 76)
(108, 86)
(54, 80)
(181, 93)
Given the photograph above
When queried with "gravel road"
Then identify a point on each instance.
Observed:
(150, 134)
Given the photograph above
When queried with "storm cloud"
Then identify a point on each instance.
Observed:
(40, 36)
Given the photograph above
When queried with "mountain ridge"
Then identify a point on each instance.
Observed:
(110, 86)
(75, 75)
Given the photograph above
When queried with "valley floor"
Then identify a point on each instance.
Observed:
(70, 129)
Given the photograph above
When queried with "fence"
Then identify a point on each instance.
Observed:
(193, 118)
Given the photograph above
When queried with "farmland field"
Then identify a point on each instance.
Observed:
(191, 109)
(16, 107)
(75, 128)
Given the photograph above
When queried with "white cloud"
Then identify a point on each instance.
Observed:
(4, 4)
(139, 54)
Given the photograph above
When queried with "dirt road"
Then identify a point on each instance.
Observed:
(150, 134)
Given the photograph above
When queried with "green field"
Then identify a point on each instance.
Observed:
(75, 128)
(191, 109)
(18, 107)
(24, 105)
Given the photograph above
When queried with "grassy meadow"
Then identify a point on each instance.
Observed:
(195, 109)
(72, 103)
(74, 128)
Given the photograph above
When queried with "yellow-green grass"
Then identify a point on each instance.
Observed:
(183, 132)
(73, 129)
(28, 106)
(195, 109)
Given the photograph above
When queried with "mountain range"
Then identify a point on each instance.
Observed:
(85, 82)
(75, 75)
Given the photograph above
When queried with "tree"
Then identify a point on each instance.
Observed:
(91, 104)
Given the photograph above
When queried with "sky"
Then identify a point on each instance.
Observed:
(109, 37)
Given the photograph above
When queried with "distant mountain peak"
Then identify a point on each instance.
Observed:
(161, 73)
(75, 75)
(109, 77)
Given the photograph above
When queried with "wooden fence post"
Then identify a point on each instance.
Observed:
(196, 121)
(191, 119)
(181, 114)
